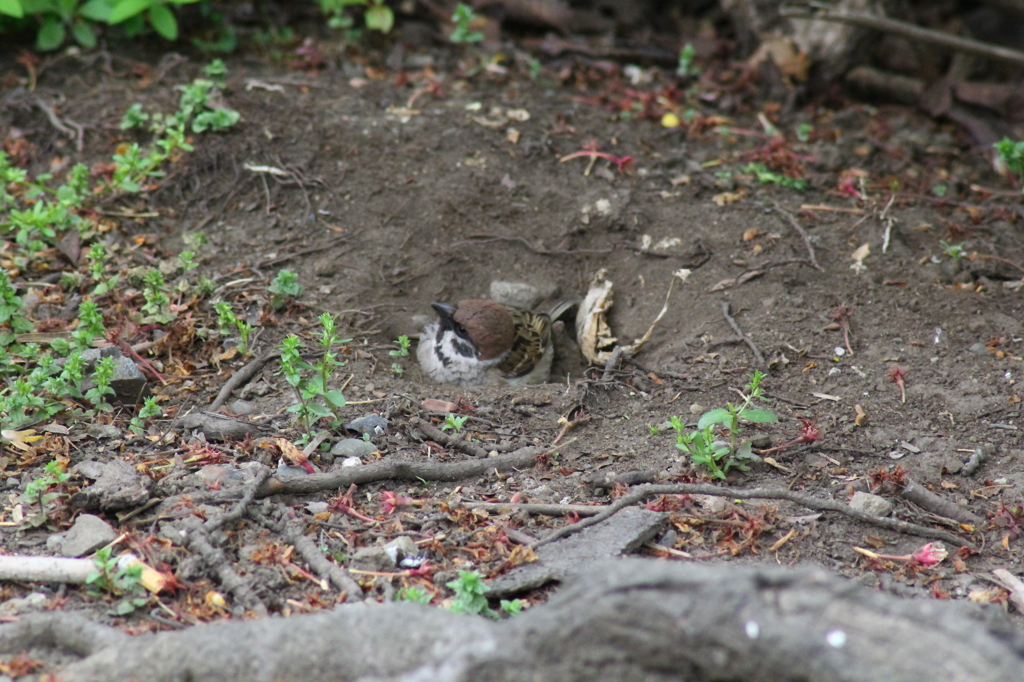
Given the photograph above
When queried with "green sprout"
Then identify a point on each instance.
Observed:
(462, 18)
(284, 289)
(686, 66)
(766, 176)
(953, 251)
(454, 423)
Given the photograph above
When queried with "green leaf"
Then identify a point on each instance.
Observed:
(126, 9)
(335, 398)
(380, 18)
(319, 411)
(83, 35)
(759, 416)
(96, 10)
(51, 35)
(11, 8)
(719, 416)
(163, 21)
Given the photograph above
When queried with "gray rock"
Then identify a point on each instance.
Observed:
(870, 504)
(516, 294)
(353, 447)
(372, 424)
(34, 601)
(103, 431)
(241, 407)
(129, 383)
(978, 349)
(216, 426)
(118, 487)
(87, 535)
(351, 462)
(613, 537)
(373, 559)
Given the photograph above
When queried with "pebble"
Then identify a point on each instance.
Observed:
(351, 462)
(353, 447)
(870, 504)
(372, 424)
(87, 535)
(516, 294)
(978, 349)
(103, 431)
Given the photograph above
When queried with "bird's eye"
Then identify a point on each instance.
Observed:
(460, 330)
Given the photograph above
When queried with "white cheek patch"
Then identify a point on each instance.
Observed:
(443, 360)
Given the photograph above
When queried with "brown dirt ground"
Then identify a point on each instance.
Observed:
(389, 200)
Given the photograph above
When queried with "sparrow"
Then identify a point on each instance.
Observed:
(478, 342)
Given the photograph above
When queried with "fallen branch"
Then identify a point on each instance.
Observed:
(197, 541)
(802, 232)
(241, 378)
(739, 332)
(367, 473)
(308, 550)
(540, 509)
(437, 435)
(911, 31)
(68, 632)
(926, 499)
(238, 511)
(45, 569)
(809, 501)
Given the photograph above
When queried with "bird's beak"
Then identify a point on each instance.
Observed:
(444, 310)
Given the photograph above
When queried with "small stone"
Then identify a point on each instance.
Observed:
(35, 601)
(103, 431)
(439, 406)
(317, 507)
(371, 424)
(376, 559)
(87, 535)
(978, 349)
(128, 382)
(516, 294)
(54, 543)
(351, 462)
(870, 504)
(241, 407)
(353, 447)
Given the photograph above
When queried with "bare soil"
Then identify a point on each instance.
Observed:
(396, 195)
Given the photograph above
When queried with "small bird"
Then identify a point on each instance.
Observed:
(479, 342)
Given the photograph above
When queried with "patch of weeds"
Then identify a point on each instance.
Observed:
(402, 351)
(462, 18)
(310, 390)
(766, 176)
(226, 319)
(1011, 155)
(470, 592)
(414, 594)
(453, 422)
(46, 489)
(149, 410)
(119, 580)
(686, 68)
(377, 16)
(953, 251)
(803, 132)
(706, 448)
(284, 289)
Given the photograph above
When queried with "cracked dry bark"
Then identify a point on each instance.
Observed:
(625, 620)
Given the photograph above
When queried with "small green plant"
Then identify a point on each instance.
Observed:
(803, 132)
(414, 594)
(119, 580)
(397, 369)
(284, 289)
(311, 389)
(940, 189)
(226, 319)
(403, 348)
(377, 16)
(470, 592)
(686, 66)
(462, 18)
(1012, 156)
(953, 251)
(453, 422)
(766, 176)
(704, 446)
(654, 429)
(47, 488)
(149, 410)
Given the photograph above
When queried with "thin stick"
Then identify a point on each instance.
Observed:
(240, 378)
(809, 501)
(739, 332)
(802, 232)
(908, 30)
(541, 509)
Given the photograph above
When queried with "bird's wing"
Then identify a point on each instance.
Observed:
(533, 336)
